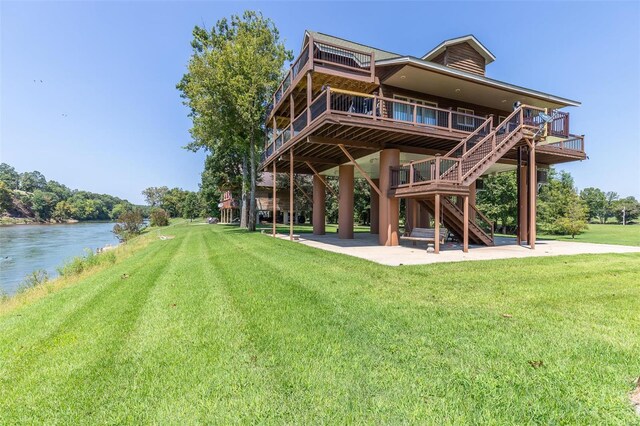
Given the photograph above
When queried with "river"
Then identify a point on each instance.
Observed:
(26, 248)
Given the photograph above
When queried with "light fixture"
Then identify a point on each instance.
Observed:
(504, 100)
(457, 90)
(403, 77)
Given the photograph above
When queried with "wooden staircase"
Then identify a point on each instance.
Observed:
(480, 228)
(453, 173)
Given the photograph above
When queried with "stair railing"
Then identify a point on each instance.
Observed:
(484, 127)
(484, 223)
(508, 127)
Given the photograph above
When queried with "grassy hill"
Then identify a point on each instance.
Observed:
(220, 326)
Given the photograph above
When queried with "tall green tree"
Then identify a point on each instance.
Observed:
(498, 199)
(9, 176)
(190, 209)
(596, 201)
(233, 70)
(154, 195)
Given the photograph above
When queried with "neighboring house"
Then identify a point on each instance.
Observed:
(230, 206)
(421, 129)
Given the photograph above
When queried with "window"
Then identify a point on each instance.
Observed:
(464, 120)
(404, 112)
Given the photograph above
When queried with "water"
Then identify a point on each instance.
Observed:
(25, 248)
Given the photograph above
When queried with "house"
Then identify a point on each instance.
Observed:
(230, 205)
(423, 130)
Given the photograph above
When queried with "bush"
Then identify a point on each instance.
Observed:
(129, 225)
(78, 264)
(159, 217)
(34, 279)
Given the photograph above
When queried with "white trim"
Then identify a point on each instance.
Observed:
(463, 119)
(477, 46)
(477, 78)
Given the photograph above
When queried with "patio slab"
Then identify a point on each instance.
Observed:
(365, 246)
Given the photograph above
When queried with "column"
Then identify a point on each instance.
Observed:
(533, 187)
(465, 211)
(375, 206)
(388, 207)
(345, 201)
(319, 198)
(522, 202)
(436, 213)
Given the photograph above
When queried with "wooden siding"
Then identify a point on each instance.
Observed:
(441, 58)
(464, 57)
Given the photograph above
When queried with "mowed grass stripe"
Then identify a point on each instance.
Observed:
(266, 331)
(77, 357)
(488, 336)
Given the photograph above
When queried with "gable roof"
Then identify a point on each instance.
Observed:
(379, 53)
(473, 42)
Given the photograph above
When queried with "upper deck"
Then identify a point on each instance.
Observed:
(331, 96)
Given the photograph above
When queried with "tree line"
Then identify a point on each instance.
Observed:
(30, 195)
(561, 208)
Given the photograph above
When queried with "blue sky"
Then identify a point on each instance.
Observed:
(111, 69)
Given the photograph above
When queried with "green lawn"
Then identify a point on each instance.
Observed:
(628, 235)
(220, 326)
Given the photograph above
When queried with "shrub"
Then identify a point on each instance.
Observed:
(574, 221)
(34, 279)
(78, 264)
(129, 225)
(159, 217)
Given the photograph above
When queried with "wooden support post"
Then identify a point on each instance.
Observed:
(465, 238)
(518, 197)
(275, 201)
(319, 198)
(388, 207)
(309, 92)
(436, 245)
(291, 194)
(345, 201)
(533, 186)
(374, 212)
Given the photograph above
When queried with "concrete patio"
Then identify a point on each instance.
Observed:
(365, 246)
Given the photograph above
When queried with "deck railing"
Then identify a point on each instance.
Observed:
(374, 108)
(574, 143)
(330, 56)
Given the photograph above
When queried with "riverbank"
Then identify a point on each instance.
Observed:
(8, 221)
(217, 325)
(105, 258)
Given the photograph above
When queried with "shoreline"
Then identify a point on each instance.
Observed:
(35, 222)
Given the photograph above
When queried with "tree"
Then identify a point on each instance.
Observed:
(626, 210)
(554, 198)
(9, 176)
(574, 220)
(234, 69)
(159, 217)
(129, 225)
(173, 201)
(6, 199)
(43, 204)
(30, 181)
(612, 197)
(190, 208)
(154, 195)
(498, 199)
(596, 201)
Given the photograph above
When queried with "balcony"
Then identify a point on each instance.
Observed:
(325, 57)
(391, 114)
